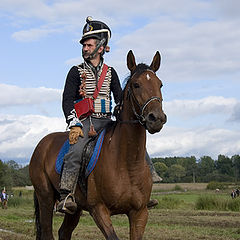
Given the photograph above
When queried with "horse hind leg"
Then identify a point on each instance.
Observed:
(69, 224)
(102, 218)
(44, 215)
(37, 217)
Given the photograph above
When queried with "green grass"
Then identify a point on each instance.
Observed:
(218, 203)
(176, 217)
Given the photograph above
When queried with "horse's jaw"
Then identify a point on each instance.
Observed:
(154, 128)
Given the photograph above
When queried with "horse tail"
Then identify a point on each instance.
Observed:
(37, 217)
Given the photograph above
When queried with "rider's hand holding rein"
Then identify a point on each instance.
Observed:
(75, 133)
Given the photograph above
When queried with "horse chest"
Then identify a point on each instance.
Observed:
(127, 198)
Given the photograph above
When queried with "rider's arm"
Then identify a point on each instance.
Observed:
(115, 86)
(71, 94)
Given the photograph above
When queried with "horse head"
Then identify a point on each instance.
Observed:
(144, 93)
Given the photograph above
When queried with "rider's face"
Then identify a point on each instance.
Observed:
(88, 47)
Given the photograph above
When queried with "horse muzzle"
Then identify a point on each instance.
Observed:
(154, 121)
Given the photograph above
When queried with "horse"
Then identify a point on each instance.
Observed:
(121, 181)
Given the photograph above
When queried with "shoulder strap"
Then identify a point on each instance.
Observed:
(100, 81)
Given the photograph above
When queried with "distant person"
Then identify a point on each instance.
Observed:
(233, 194)
(237, 192)
(4, 199)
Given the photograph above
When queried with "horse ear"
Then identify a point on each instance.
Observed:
(156, 62)
(131, 61)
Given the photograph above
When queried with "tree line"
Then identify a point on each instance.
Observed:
(205, 169)
(171, 169)
(12, 174)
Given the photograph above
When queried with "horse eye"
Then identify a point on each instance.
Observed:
(136, 85)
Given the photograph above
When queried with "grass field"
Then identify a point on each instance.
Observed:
(175, 218)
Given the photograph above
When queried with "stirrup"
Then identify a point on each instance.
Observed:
(64, 209)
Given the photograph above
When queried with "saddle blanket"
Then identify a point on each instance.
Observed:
(91, 161)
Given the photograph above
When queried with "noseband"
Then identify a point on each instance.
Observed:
(141, 118)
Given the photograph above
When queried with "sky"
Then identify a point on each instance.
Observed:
(199, 42)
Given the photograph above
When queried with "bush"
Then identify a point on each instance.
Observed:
(206, 202)
(169, 203)
(234, 205)
(215, 185)
(20, 201)
(178, 188)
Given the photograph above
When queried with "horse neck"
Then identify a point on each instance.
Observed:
(133, 136)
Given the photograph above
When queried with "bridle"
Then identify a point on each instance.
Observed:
(140, 117)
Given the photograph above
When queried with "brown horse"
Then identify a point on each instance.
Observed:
(121, 182)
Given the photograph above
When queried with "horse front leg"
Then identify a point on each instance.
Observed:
(102, 218)
(69, 224)
(137, 220)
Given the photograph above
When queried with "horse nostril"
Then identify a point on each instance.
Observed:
(151, 117)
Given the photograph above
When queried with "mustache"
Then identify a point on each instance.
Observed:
(85, 54)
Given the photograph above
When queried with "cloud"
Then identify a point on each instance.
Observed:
(33, 34)
(236, 113)
(194, 108)
(25, 96)
(173, 141)
(189, 52)
(192, 42)
(20, 135)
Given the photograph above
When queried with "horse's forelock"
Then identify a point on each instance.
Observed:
(140, 68)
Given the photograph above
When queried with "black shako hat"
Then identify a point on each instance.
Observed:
(96, 29)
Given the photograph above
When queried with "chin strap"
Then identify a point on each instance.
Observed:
(93, 54)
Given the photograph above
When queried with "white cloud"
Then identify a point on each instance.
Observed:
(33, 34)
(189, 52)
(200, 107)
(24, 96)
(19, 135)
(173, 141)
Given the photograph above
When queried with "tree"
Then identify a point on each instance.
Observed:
(206, 166)
(175, 172)
(236, 165)
(161, 168)
(190, 165)
(224, 165)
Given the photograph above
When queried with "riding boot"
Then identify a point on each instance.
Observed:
(155, 177)
(68, 183)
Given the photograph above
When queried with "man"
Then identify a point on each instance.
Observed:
(4, 199)
(87, 75)
(94, 42)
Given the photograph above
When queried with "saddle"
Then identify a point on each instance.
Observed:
(89, 158)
